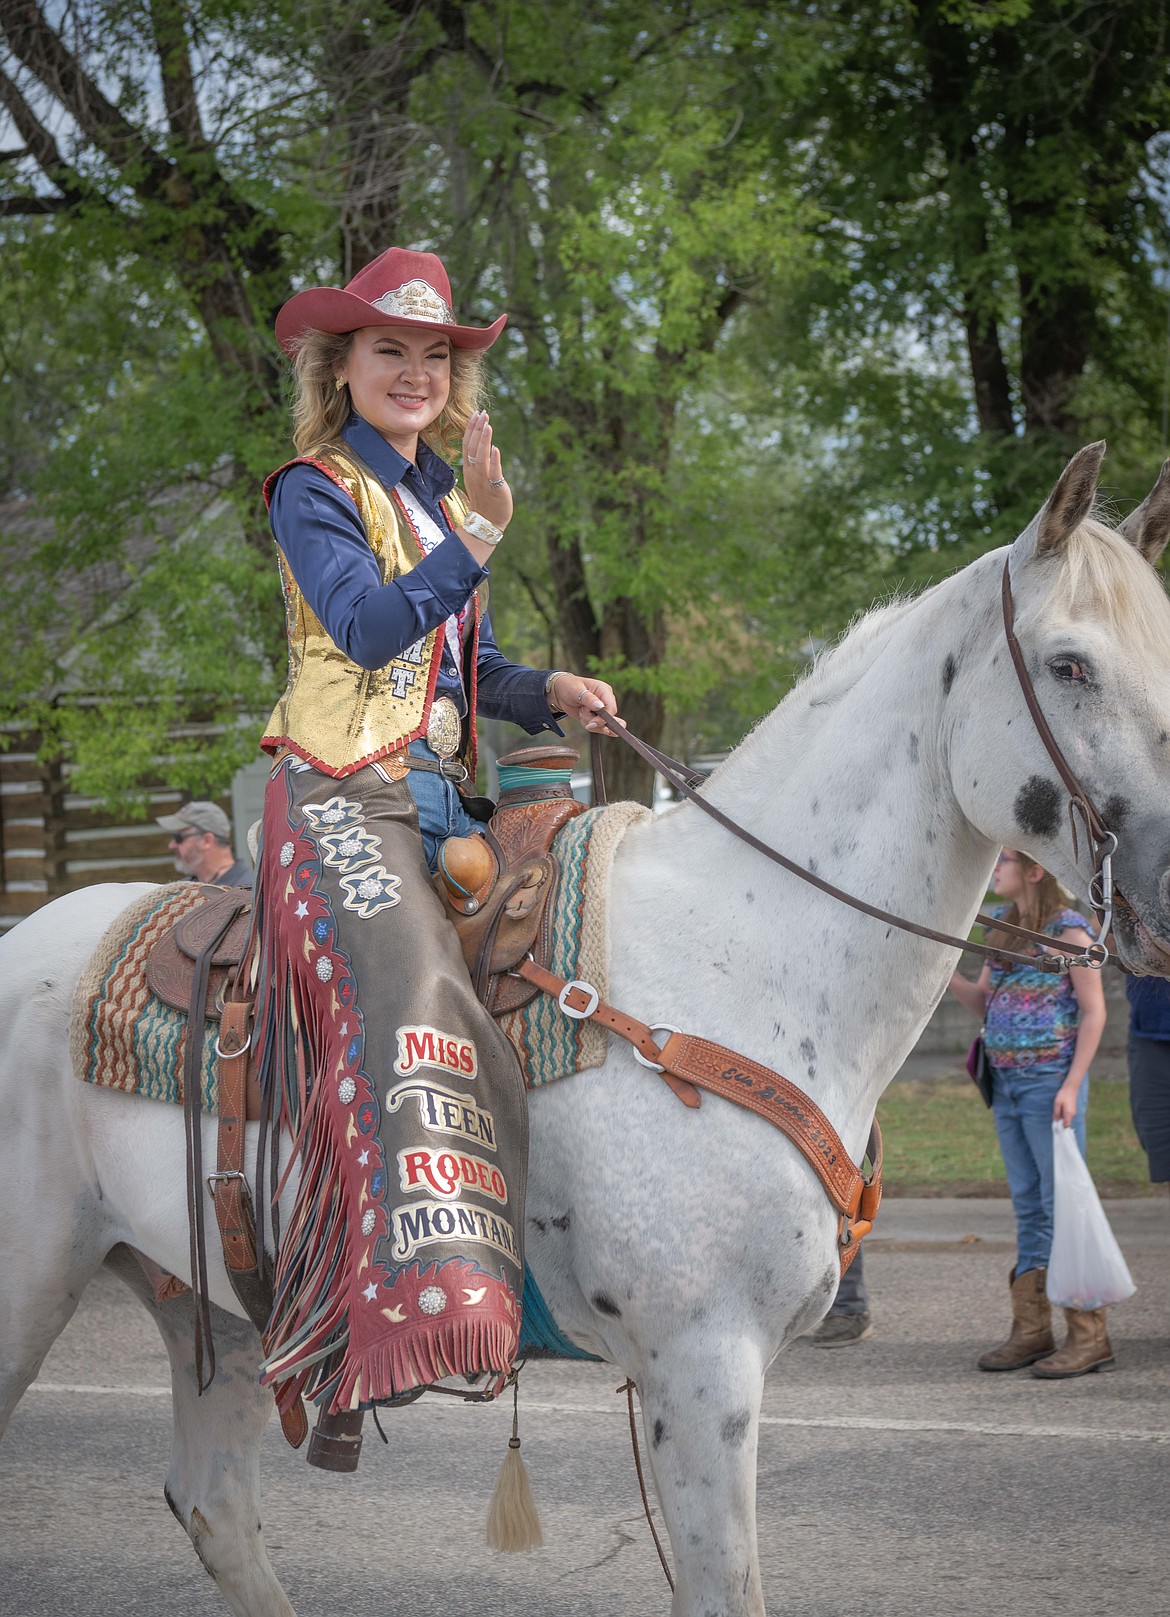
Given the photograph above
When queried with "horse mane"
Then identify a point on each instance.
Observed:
(1099, 571)
(838, 667)
(1102, 572)
(1096, 571)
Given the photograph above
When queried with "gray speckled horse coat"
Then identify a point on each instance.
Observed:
(896, 769)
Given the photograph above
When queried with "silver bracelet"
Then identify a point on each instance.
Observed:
(480, 528)
(548, 686)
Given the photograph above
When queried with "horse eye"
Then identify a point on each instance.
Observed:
(1069, 668)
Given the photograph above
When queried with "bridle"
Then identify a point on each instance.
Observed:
(1102, 841)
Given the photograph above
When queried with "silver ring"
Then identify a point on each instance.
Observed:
(655, 1027)
(471, 460)
(496, 482)
(226, 1055)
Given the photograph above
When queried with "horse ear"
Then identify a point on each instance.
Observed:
(1065, 508)
(1148, 528)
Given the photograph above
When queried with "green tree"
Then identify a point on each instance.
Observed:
(148, 245)
(603, 171)
(995, 173)
(806, 302)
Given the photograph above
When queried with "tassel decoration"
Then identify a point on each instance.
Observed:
(513, 1522)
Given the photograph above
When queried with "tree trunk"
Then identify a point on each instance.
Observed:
(946, 54)
(989, 372)
(627, 636)
(627, 778)
(1055, 337)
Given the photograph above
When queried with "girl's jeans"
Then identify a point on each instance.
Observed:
(440, 808)
(1022, 1108)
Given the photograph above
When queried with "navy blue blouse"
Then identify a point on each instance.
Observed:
(318, 528)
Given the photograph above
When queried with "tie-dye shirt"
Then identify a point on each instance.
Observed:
(1032, 1018)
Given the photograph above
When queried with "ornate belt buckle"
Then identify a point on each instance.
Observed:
(443, 728)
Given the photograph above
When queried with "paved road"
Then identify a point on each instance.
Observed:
(894, 1478)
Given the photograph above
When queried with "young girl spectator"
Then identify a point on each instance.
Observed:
(1041, 1031)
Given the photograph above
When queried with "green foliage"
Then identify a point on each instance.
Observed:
(940, 1140)
(807, 304)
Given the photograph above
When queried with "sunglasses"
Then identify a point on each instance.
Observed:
(182, 836)
(1008, 859)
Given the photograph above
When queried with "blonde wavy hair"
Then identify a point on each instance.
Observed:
(320, 408)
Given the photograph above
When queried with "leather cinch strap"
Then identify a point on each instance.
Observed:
(229, 1188)
(688, 1064)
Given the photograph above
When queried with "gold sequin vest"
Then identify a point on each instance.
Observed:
(335, 714)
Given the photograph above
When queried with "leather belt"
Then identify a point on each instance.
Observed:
(449, 768)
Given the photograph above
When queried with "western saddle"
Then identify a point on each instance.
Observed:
(496, 889)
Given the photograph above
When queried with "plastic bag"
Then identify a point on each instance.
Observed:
(1086, 1268)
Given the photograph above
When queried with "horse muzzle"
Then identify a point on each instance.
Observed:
(1141, 948)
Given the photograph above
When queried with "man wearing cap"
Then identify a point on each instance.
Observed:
(201, 841)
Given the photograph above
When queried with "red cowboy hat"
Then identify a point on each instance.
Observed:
(397, 289)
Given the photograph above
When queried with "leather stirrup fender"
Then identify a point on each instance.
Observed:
(248, 1270)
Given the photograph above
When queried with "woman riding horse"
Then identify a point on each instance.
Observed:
(401, 1263)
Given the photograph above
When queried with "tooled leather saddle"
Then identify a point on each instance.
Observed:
(221, 925)
(498, 888)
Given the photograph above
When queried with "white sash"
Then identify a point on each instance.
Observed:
(430, 535)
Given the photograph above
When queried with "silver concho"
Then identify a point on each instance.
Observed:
(286, 853)
(346, 1090)
(349, 849)
(432, 1299)
(324, 967)
(371, 890)
(369, 1219)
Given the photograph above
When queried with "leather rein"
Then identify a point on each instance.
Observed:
(1102, 841)
(688, 1064)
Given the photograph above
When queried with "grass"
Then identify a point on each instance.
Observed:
(940, 1141)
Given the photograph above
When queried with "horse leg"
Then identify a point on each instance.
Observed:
(38, 1306)
(213, 1485)
(55, 1228)
(700, 1414)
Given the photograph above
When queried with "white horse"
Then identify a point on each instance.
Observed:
(685, 1247)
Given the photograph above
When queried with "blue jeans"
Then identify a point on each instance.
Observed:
(1022, 1108)
(1149, 1101)
(852, 1296)
(440, 808)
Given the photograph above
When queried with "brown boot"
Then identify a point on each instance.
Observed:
(1031, 1335)
(1086, 1347)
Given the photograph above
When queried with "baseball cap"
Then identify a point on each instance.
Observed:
(198, 816)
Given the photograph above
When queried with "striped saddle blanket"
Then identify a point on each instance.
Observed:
(123, 1037)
